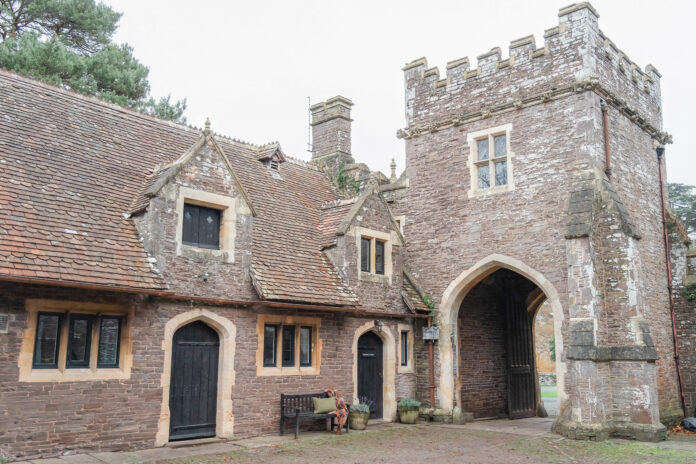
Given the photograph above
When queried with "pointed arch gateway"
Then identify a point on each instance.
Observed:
(449, 390)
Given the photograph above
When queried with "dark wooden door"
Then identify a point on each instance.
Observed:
(193, 388)
(370, 371)
(521, 388)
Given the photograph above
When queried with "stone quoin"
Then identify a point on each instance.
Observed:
(161, 282)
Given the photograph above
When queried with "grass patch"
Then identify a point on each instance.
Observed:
(549, 394)
(563, 451)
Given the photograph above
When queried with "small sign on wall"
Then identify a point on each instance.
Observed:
(431, 333)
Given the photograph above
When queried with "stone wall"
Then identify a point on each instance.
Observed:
(550, 98)
(45, 419)
(191, 271)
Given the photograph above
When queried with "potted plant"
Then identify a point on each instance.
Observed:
(408, 410)
(359, 415)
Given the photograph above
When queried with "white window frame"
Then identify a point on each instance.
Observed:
(471, 139)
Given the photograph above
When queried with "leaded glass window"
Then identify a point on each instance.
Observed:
(482, 149)
(484, 176)
(47, 341)
(501, 173)
(365, 257)
(269, 344)
(109, 337)
(500, 143)
(379, 257)
(288, 347)
(79, 340)
(305, 346)
(491, 169)
(201, 227)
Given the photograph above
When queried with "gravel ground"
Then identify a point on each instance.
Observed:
(446, 444)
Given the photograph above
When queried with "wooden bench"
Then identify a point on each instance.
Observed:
(301, 408)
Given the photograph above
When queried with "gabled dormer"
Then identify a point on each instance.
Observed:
(272, 156)
(195, 220)
(363, 240)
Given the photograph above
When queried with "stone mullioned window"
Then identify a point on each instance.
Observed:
(490, 160)
(69, 341)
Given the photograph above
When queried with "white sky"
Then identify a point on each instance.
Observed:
(250, 66)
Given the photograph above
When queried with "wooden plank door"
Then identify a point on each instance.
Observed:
(193, 388)
(521, 391)
(370, 371)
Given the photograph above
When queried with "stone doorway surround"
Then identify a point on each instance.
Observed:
(388, 366)
(448, 352)
(227, 332)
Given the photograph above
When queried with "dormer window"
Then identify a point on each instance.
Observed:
(201, 227)
(274, 164)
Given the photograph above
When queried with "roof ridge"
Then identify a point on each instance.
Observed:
(92, 99)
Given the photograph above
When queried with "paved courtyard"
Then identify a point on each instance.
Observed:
(498, 441)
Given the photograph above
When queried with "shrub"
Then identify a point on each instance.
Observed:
(689, 292)
(360, 407)
(408, 403)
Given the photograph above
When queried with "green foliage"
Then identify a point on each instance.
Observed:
(408, 403)
(552, 349)
(360, 407)
(430, 304)
(68, 43)
(689, 292)
(355, 186)
(341, 177)
(682, 200)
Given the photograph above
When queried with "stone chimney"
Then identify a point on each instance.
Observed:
(331, 132)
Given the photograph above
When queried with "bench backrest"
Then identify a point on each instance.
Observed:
(290, 403)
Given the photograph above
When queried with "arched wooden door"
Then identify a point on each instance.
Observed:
(193, 388)
(370, 376)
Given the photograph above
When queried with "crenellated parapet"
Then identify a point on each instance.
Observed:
(574, 57)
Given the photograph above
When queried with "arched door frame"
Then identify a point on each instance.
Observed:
(388, 367)
(227, 331)
(448, 352)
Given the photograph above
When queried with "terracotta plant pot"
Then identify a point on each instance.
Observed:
(408, 415)
(358, 420)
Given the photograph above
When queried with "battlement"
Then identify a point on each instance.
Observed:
(573, 53)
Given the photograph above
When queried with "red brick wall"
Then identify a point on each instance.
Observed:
(483, 355)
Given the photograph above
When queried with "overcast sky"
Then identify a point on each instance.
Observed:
(250, 66)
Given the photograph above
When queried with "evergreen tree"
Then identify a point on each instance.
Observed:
(69, 43)
(682, 200)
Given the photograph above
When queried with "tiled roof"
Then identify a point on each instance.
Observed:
(411, 294)
(331, 217)
(74, 168)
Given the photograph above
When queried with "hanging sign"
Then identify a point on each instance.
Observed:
(431, 333)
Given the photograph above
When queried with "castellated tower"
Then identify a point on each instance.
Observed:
(515, 196)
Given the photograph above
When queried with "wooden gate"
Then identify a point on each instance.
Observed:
(370, 371)
(521, 387)
(193, 388)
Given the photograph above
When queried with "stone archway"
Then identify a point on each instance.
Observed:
(451, 301)
(227, 332)
(388, 364)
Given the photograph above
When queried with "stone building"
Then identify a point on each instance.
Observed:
(161, 282)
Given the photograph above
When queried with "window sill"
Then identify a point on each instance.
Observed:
(75, 374)
(405, 369)
(188, 251)
(490, 191)
(267, 371)
(376, 278)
